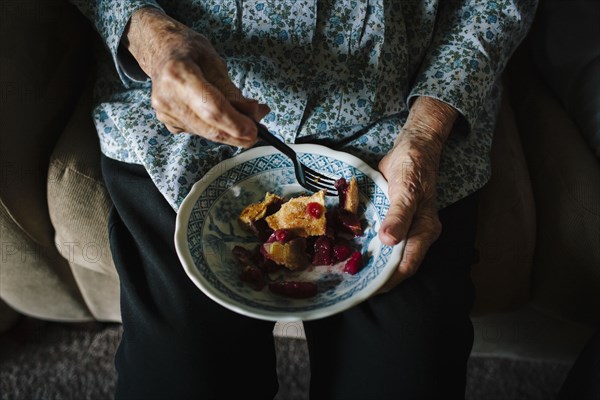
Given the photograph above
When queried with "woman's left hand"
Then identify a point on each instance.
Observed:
(411, 169)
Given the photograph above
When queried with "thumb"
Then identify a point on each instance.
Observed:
(397, 222)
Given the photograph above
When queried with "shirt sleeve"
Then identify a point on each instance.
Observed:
(470, 47)
(110, 17)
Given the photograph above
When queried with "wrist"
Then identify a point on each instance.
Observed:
(145, 36)
(430, 120)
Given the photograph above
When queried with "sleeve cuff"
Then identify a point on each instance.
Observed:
(111, 26)
(457, 76)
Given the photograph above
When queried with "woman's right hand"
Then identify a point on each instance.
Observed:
(191, 89)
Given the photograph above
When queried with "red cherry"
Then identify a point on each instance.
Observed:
(279, 235)
(354, 263)
(341, 252)
(282, 235)
(315, 210)
(322, 250)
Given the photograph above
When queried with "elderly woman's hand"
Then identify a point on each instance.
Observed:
(191, 89)
(411, 171)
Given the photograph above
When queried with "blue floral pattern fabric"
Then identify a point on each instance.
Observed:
(339, 72)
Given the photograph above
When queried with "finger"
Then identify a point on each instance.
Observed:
(247, 106)
(251, 108)
(171, 123)
(214, 109)
(173, 129)
(407, 266)
(424, 232)
(196, 126)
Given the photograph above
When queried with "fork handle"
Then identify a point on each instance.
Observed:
(268, 137)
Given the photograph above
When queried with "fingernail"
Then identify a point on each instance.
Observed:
(394, 235)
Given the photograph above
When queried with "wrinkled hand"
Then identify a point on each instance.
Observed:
(191, 89)
(411, 171)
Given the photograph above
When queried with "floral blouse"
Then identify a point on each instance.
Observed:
(336, 72)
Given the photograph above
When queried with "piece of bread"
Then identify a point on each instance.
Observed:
(351, 199)
(291, 255)
(295, 217)
(257, 211)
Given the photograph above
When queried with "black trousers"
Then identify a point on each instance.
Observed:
(410, 343)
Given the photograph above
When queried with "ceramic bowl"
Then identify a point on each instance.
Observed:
(207, 230)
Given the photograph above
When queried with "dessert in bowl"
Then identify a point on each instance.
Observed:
(210, 225)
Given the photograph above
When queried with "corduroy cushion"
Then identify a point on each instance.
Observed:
(79, 206)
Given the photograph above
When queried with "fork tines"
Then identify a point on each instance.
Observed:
(307, 177)
(318, 181)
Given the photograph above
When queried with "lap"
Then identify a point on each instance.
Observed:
(179, 343)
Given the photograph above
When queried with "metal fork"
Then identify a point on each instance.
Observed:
(307, 177)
